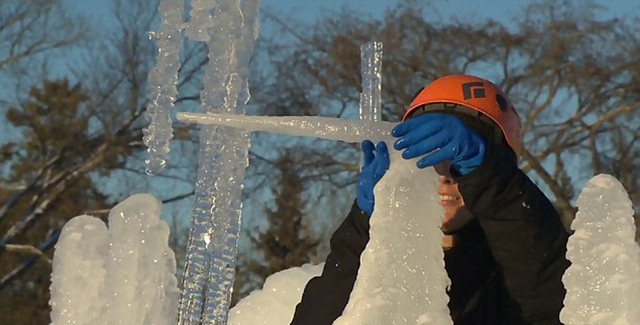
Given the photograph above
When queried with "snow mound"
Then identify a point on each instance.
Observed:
(276, 302)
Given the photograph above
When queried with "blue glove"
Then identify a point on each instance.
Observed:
(440, 137)
(376, 163)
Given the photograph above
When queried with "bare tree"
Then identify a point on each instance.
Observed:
(32, 27)
(572, 76)
(75, 137)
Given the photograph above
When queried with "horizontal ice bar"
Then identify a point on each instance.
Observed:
(329, 128)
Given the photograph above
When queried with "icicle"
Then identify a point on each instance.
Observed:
(162, 85)
(308, 126)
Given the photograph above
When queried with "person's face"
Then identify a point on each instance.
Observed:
(456, 214)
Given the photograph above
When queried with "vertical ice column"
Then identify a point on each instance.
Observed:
(402, 279)
(370, 98)
(211, 252)
(603, 281)
(227, 216)
(162, 85)
(194, 281)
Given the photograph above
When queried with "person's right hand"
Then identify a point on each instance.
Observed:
(376, 163)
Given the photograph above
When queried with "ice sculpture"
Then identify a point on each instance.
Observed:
(162, 85)
(230, 31)
(603, 282)
(121, 275)
(424, 280)
(402, 279)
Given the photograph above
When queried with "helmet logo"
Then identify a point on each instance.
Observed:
(473, 90)
(502, 102)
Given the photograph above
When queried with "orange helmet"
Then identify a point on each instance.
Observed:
(478, 94)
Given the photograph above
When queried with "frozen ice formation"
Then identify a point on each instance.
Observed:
(163, 80)
(380, 295)
(121, 275)
(308, 126)
(370, 98)
(230, 28)
(79, 271)
(200, 19)
(603, 281)
(276, 302)
(402, 279)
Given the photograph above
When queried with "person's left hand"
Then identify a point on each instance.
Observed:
(440, 137)
(376, 164)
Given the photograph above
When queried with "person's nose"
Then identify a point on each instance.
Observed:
(447, 180)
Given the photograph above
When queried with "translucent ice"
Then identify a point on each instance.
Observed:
(371, 95)
(141, 286)
(603, 281)
(276, 302)
(121, 275)
(77, 279)
(370, 98)
(162, 85)
(200, 20)
(231, 28)
(310, 126)
(402, 279)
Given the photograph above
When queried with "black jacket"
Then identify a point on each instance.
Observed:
(506, 268)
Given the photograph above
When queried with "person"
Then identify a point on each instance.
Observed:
(506, 244)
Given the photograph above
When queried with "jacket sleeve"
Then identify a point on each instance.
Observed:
(325, 296)
(524, 232)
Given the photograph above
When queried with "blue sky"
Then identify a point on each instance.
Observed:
(307, 10)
